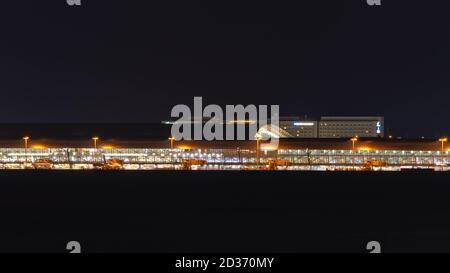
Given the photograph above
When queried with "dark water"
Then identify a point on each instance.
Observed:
(223, 211)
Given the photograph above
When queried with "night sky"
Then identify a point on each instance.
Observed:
(131, 61)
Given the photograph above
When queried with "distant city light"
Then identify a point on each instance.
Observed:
(39, 147)
(124, 155)
(28, 154)
(303, 123)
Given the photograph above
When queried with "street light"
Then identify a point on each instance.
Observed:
(25, 143)
(258, 140)
(353, 140)
(171, 139)
(443, 140)
(95, 139)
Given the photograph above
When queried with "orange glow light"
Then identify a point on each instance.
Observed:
(108, 147)
(39, 147)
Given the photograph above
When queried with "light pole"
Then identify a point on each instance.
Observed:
(443, 140)
(171, 139)
(95, 139)
(258, 140)
(353, 140)
(25, 143)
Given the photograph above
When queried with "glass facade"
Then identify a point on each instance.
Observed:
(293, 159)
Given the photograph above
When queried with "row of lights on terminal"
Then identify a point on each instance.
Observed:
(26, 140)
(95, 141)
(441, 140)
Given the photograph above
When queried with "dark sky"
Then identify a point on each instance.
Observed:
(131, 61)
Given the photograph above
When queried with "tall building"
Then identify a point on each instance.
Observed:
(326, 127)
(295, 127)
(339, 127)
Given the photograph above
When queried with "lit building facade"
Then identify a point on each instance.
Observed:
(346, 127)
(297, 128)
(225, 159)
(326, 127)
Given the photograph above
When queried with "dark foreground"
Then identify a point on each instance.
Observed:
(224, 211)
